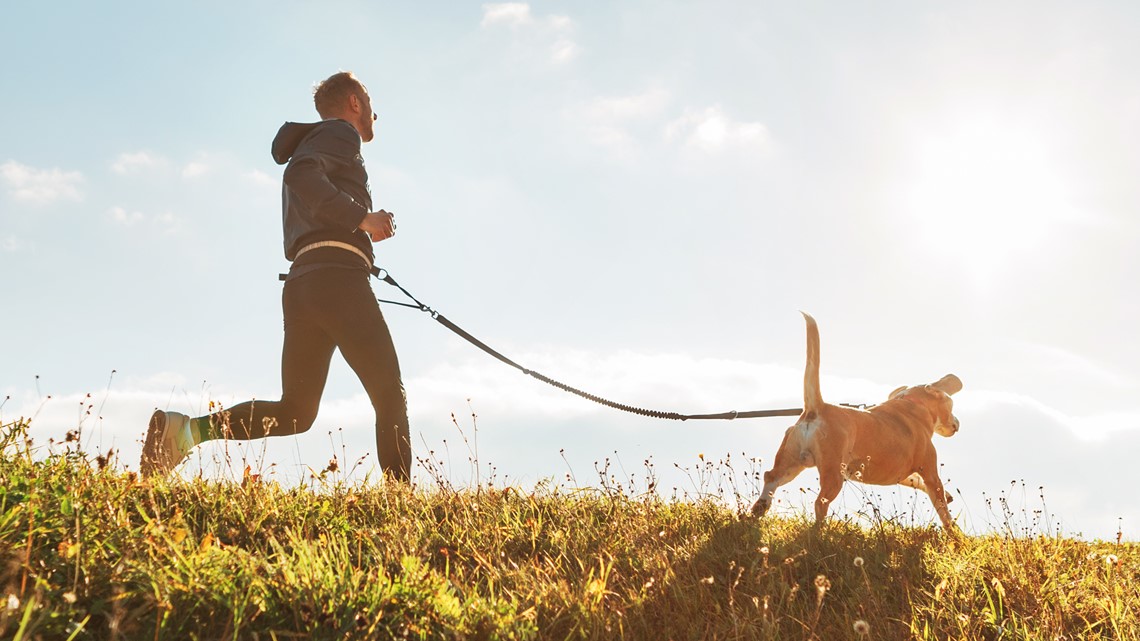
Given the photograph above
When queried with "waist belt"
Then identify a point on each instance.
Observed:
(336, 243)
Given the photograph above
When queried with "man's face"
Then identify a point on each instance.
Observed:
(365, 118)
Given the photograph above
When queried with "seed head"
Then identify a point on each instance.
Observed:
(858, 561)
(862, 628)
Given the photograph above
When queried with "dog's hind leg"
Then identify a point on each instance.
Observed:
(830, 483)
(773, 479)
(790, 461)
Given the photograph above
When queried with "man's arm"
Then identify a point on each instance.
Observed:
(379, 225)
(307, 177)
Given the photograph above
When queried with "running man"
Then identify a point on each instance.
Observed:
(327, 299)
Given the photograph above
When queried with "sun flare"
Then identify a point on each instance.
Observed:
(985, 193)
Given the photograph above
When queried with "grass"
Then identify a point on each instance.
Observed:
(88, 551)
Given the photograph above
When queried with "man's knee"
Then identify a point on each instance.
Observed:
(294, 418)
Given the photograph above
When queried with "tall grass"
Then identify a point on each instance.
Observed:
(88, 551)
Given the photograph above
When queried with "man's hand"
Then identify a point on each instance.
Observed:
(379, 225)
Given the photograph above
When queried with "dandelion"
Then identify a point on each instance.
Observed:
(858, 561)
(1110, 559)
(13, 603)
(822, 585)
(862, 628)
(69, 597)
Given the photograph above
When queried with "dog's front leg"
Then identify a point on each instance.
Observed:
(915, 481)
(937, 493)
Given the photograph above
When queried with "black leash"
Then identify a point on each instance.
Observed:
(383, 275)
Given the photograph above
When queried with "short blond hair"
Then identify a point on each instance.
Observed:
(330, 96)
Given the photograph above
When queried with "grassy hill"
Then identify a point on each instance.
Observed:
(88, 551)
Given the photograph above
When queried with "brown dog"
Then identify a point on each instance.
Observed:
(887, 444)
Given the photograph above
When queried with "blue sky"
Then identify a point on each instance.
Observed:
(635, 198)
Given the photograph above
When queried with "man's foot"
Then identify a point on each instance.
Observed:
(168, 441)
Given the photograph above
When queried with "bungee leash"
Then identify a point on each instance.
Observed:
(383, 275)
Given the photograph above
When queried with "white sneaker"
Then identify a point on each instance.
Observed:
(168, 441)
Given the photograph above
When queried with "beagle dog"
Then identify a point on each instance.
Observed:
(887, 444)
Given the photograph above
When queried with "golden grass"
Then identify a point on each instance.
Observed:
(91, 552)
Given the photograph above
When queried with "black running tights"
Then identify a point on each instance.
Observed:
(326, 309)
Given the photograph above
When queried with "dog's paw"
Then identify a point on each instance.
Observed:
(760, 507)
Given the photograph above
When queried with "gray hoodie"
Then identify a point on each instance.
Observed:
(325, 194)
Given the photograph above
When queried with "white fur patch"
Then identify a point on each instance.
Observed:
(805, 436)
(807, 430)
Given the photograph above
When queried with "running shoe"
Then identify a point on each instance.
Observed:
(168, 441)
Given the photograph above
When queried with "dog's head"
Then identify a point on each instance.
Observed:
(936, 398)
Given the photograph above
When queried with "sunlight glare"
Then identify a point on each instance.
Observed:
(985, 194)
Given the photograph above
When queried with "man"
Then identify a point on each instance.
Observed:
(327, 300)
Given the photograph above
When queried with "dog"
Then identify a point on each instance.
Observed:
(888, 444)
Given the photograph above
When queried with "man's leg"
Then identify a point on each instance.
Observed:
(366, 344)
(305, 356)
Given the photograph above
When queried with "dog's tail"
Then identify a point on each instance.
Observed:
(813, 398)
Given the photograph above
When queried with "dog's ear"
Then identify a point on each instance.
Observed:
(948, 384)
(893, 395)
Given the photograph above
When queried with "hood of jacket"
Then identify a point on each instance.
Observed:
(289, 137)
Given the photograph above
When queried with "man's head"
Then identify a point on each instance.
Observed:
(342, 96)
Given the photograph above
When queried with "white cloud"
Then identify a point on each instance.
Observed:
(1095, 426)
(1072, 365)
(552, 33)
(129, 163)
(711, 130)
(564, 50)
(133, 161)
(260, 178)
(624, 125)
(195, 169)
(164, 223)
(40, 186)
(124, 217)
(513, 14)
(608, 122)
(12, 244)
(646, 104)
